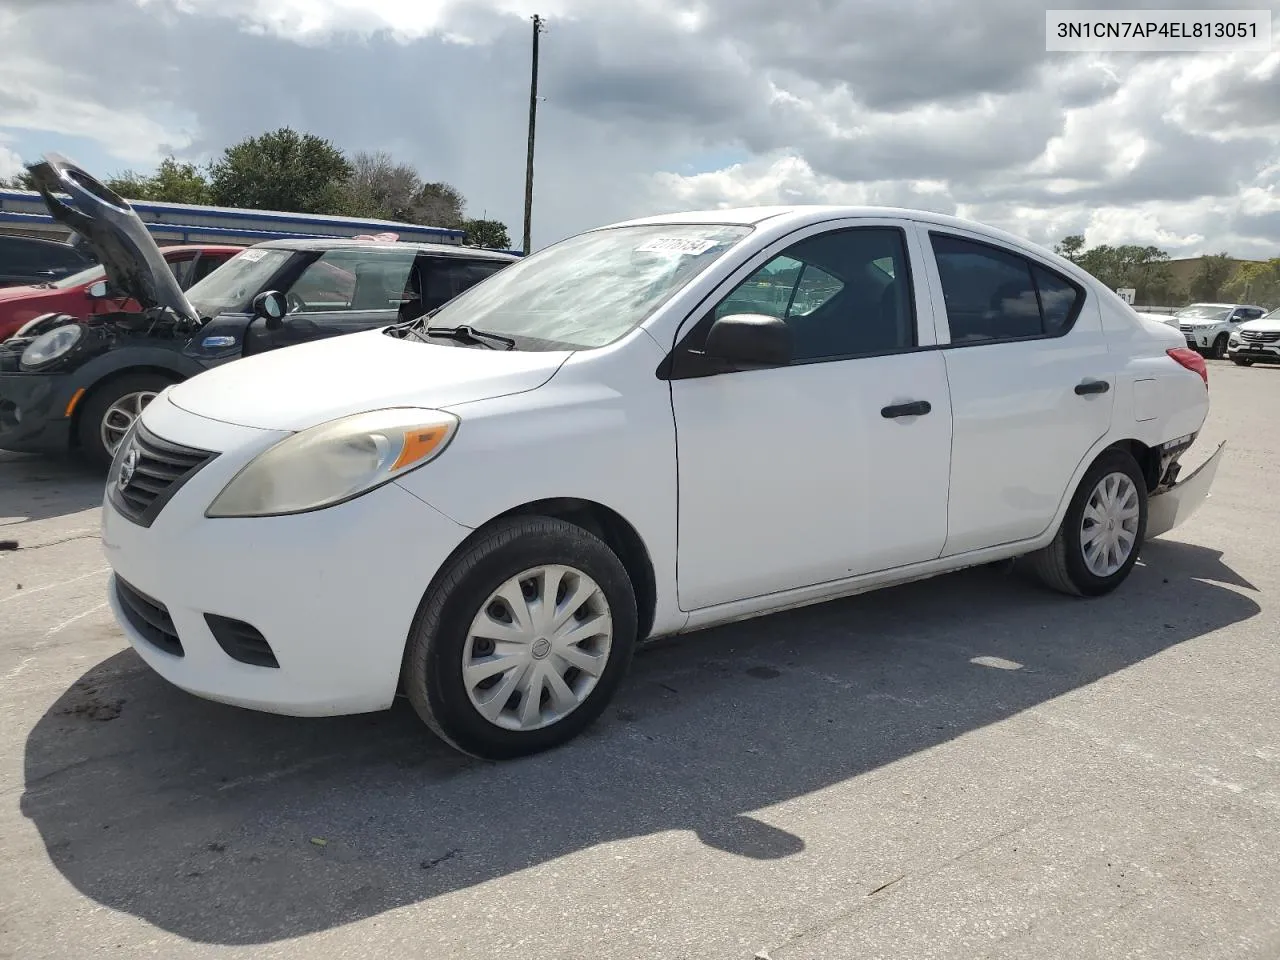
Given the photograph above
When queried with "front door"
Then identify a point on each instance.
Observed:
(835, 465)
(1032, 387)
(345, 290)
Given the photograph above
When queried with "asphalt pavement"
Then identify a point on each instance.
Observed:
(965, 767)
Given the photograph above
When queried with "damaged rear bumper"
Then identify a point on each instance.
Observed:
(1174, 505)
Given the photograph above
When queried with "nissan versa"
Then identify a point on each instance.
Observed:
(642, 430)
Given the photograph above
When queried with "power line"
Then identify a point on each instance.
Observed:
(539, 25)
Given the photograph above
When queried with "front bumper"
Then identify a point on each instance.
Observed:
(33, 417)
(1172, 507)
(1268, 352)
(332, 593)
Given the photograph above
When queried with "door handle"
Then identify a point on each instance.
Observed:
(1086, 387)
(916, 408)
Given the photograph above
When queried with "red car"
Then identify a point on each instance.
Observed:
(84, 293)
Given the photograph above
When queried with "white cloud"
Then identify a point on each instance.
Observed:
(10, 163)
(889, 101)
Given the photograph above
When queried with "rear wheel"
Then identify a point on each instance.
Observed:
(1219, 348)
(1102, 532)
(523, 639)
(112, 409)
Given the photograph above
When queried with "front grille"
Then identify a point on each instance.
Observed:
(1186, 327)
(153, 470)
(241, 641)
(1260, 336)
(149, 617)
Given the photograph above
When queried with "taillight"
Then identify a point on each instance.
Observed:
(1191, 360)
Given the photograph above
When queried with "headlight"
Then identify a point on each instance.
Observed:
(51, 346)
(335, 462)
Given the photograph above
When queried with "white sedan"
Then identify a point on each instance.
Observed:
(643, 430)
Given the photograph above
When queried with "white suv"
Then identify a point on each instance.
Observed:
(1257, 340)
(1208, 326)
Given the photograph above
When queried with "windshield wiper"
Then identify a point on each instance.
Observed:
(467, 334)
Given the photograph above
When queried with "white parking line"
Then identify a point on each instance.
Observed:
(53, 586)
(79, 616)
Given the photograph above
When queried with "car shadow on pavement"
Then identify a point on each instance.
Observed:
(232, 827)
(35, 487)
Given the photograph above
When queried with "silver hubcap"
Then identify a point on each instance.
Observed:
(120, 416)
(1109, 529)
(537, 648)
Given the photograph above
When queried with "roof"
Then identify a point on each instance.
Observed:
(804, 214)
(200, 247)
(338, 243)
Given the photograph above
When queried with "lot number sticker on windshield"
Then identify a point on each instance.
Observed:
(678, 245)
(253, 255)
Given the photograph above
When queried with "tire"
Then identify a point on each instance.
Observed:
(104, 398)
(1241, 363)
(441, 640)
(1219, 348)
(1062, 565)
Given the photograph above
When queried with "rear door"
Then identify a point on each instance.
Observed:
(443, 278)
(1032, 385)
(343, 291)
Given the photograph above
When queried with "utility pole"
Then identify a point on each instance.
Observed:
(538, 25)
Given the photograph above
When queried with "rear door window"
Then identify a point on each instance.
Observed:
(993, 294)
(443, 278)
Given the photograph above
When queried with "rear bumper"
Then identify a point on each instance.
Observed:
(1172, 507)
(33, 412)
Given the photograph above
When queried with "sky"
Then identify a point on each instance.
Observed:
(660, 105)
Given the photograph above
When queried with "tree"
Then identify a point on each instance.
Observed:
(281, 170)
(173, 182)
(1214, 271)
(1145, 269)
(487, 233)
(19, 181)
(380, 187)
(1070, 247)
(439, 205)
(1256, 283)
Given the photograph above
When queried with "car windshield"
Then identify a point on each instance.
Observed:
(88, 275)
(231, 287)
(591, 289)
(1203, 311)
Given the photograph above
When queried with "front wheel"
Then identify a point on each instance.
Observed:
(1219, 349)
(522, 640)
(112, 409)
(1102, 532)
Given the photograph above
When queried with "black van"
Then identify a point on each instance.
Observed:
(81, 382)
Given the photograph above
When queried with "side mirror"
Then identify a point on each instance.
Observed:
(96, 290)
(271, 306)
(749, 340)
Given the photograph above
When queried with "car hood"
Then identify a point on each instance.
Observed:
(115, 234)
(300, 386)
(1269, 323)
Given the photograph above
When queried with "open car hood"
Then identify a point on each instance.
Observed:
(116, 235)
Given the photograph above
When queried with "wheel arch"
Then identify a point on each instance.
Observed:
(110, 377)
(618, 533)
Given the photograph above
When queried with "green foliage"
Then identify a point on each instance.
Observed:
(281, 170)
(1256, 283)
(487, 233)
(1213, 273)
(1145, 269)
(381, 188)
(19, 181)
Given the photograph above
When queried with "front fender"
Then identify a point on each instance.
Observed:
(164, 358)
